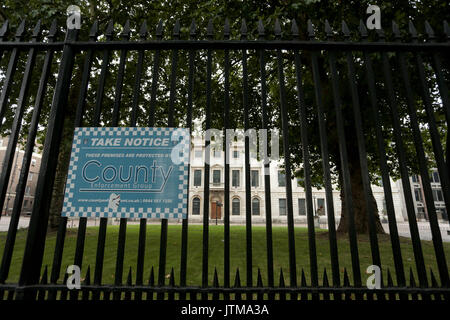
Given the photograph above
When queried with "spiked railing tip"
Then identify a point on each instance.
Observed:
(412, 281)
(328, 29)
(325, 278)
(151, 280)
(176, 28)
(261, 31)
(346, 279)
(226, 28)
(37, 29)
(362, 29)
(429, 30)
(345, 30)
(20, 30)
(447, 29)
(237, 279)
(294, 28)
(412, 29)
(110, 29)
(143, 30)
(259, 282)
(395, 30)
(210, 28)
(4, 28)
(216, 278)
(159, 29)
(380, 33)
(192, 29)
(433, 279)
(277, 28)
(243, 28)
(94, 30)
(390, 283)
(126, 29)
(44, 276)
(303, 279)
(282, 284)
(129, 278)
(311, 32)
(87, 279)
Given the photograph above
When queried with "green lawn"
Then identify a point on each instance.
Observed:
(238, 254)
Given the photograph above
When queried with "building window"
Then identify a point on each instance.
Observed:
(415, 178)
(30, 176)
(1, 142)
(321, 206)
(236, 207)
(437, 195)
(216, 153)
(282, 205)
(25, 203)
(235, 178)
(235, 154)
(197, 178)
(255, 207)
(196, 206)
(216, 176)
(418, 194)
(301, 207)
(198, 153)
(255, 178)
(281, 179)
(27, 190)
(299, 182)
(435, 177)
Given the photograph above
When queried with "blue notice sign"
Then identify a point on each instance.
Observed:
(128, 173)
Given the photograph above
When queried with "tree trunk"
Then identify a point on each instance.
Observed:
(57, 200)
(359, 204)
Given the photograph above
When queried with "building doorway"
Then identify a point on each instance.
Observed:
(216, 211)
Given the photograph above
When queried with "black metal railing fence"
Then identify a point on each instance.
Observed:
(355, 56)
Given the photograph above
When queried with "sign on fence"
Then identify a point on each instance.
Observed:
(128, 173)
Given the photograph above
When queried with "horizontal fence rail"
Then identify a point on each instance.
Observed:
(389, 87)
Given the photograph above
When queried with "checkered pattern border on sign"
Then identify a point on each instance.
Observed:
(159, 212)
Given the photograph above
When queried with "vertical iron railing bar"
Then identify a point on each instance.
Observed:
(20, 189)
(424, 172)
(118, 274)
(12, 66)
(287, 163)
(376, 122)
(226, 115)
(365, 178)
(210, 36)
(325, 163)
(3, 31)
(35, 243)
(185, 223)
(344, 164)
(443, 88)
(266, 159)
(306, 163)
(414, 231)
(152, 108)
(170, 123)
(155, 74)
(248, 213)
(98, 271)
(435, 139)
(134, 112)
(18, 115)
(82, 222)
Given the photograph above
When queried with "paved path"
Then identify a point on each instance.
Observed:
(403, 227)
